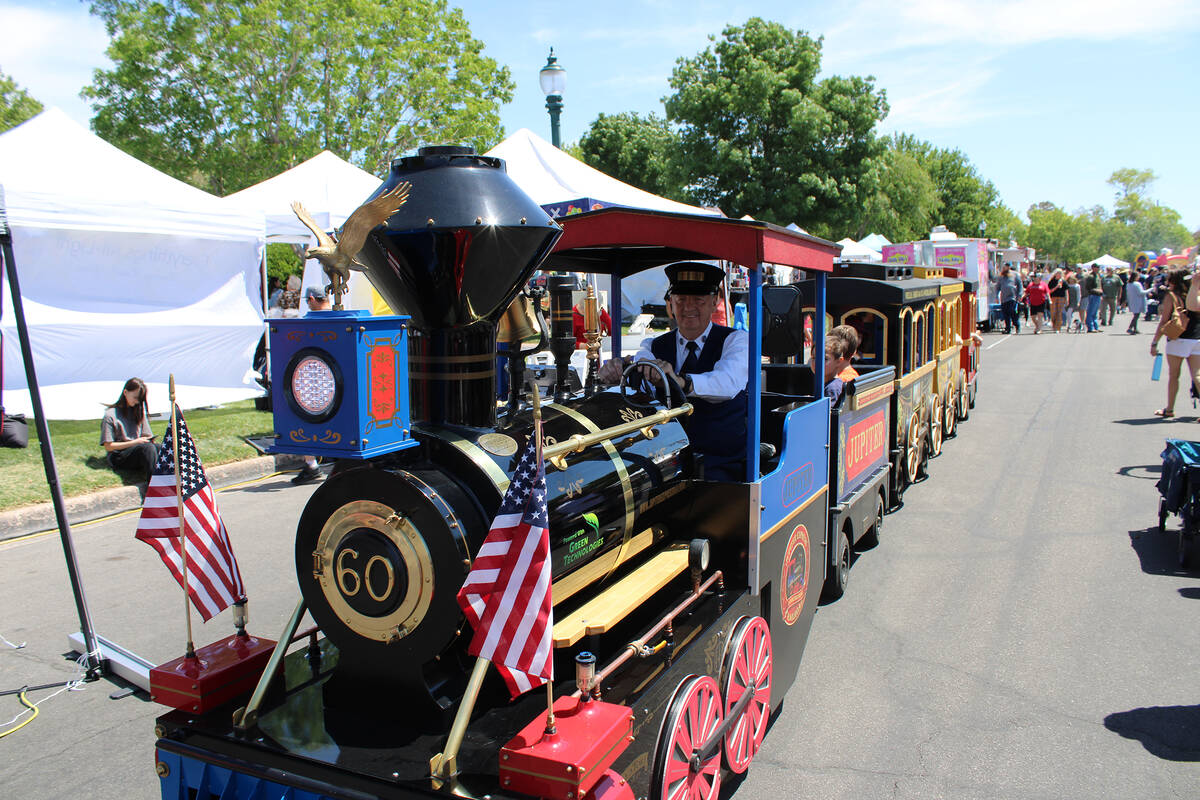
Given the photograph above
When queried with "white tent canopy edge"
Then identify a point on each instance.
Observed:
(124, 271)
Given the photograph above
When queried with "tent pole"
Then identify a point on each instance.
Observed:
(95, 664)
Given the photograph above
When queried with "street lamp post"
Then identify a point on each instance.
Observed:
(553, 79)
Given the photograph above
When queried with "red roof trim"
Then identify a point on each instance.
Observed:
(743, 242)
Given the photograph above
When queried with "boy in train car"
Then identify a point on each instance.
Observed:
(838, 371)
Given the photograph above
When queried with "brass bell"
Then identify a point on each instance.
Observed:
(519, 325)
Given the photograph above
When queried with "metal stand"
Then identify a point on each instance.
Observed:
(96, 666)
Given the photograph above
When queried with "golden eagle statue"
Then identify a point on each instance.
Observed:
(340, 256)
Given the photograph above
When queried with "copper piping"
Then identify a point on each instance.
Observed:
(635, 647)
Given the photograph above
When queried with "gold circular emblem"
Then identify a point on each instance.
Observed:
(498, 444)
(394, 560)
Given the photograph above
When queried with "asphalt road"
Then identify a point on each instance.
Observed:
(1021, 631)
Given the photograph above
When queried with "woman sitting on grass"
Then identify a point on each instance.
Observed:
(125, 431)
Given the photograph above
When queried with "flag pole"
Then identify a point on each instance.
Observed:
(537, 433)
(187, 600)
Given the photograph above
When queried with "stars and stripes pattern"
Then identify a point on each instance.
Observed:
(506, 596)
(214, 581)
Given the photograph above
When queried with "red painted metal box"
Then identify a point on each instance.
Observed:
(565, 765)
(220, 672)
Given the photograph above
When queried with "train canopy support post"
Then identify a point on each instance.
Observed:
(754, 374)
(91, 648)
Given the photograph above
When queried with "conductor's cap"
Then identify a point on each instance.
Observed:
(694, 277)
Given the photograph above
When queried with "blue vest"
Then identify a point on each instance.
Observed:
(716, 428)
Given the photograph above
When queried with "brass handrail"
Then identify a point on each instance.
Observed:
(554, 453)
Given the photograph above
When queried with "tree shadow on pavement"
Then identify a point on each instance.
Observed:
(1169, 732)
(1158, 551)
(1147, 472)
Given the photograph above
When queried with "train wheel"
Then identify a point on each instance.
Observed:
(950, 414)
(839, 576)
(747, 659)
(964, 390)
(695, 711)
(912, 451)
(871, 537)
(935, 425)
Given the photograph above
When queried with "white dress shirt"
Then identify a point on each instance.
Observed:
(728, 375)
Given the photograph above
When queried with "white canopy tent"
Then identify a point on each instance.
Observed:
(875, 241)
(564, 185)
(853, 251)
(1107, 261)
(330, 189)
(124, 272)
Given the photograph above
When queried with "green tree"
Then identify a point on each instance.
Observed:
(966, 198)
(16, 105)
(1060, 236)
(760, 135)
(227, 94)
(633, 149)
(282, 261)
(905, 203)
(1003, 223)
(1139, 223)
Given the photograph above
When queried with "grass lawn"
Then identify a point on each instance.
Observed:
(218, 433)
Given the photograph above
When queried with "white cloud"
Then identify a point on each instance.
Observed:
(950, 100)
(935, 57)
(51, 53)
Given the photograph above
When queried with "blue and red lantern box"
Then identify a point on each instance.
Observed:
(339, 384)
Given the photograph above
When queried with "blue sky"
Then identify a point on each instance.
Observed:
(1046, 97)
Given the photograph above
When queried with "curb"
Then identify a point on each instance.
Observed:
(87, 507)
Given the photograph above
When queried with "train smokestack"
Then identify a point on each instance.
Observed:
(453, 258)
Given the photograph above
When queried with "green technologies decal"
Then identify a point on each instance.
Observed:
(583, 542)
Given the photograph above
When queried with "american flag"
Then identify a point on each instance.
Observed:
(214, 582)
(506, 596)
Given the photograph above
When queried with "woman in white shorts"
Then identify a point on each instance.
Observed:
(1187, 345)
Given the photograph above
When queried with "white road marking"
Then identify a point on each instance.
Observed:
(993, 344)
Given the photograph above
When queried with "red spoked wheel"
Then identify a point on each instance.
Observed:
(747, 659)
(695, 711)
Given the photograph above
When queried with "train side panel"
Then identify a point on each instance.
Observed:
(789, 566)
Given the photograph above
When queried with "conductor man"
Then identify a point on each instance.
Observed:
(706, 363)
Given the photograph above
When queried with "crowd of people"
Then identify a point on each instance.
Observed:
(1077, 299)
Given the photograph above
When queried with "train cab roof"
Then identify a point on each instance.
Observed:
(843, 291)
(624, 241)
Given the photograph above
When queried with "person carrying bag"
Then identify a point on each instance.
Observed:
(1181, 328)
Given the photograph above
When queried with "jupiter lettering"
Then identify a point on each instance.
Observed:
(865, 443)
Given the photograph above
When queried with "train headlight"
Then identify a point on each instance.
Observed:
(314, 385)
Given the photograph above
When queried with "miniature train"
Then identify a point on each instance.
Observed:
(681, 605)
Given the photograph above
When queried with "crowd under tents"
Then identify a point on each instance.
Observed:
(124, 271)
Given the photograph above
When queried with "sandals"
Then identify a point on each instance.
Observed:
(1165, 413)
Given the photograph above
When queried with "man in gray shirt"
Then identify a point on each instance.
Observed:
(1009, 289)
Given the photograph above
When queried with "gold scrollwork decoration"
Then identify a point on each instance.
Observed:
(300, 436)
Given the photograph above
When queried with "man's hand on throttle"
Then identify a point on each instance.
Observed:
(610, 371)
